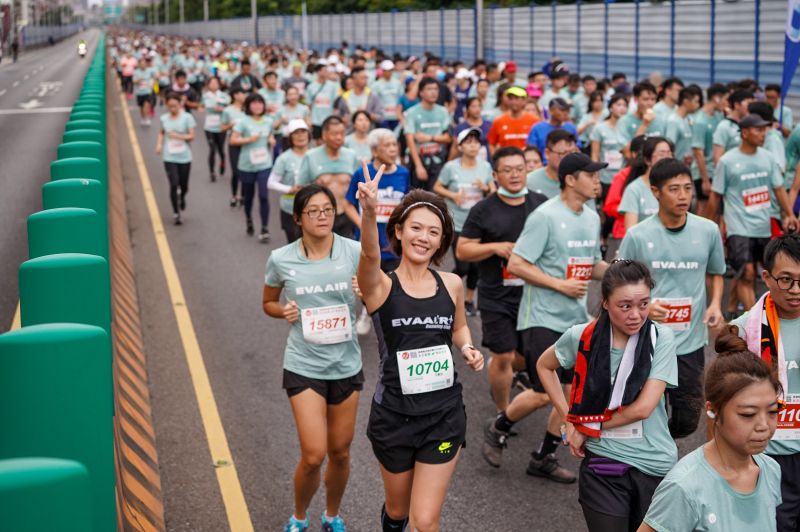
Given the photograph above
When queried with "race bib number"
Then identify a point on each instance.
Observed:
(327, 325)
(143, 84)
(679, 313)
(259, 155)
(429, 148)
(425, 370)
(471, 195)
(614, 160)
(509, 279)
(789, 420)
(626, 432)
(390, 110)
(385, 208)
(580, 268)
(212, 120)
(175, 146)
(322, 101)
(756, 198)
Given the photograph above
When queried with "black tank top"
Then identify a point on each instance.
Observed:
(412, 323)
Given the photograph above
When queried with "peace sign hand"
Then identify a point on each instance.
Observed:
(367, 193)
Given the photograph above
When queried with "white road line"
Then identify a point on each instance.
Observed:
(15, 84)
(35, 111)
(2, 92)
(25, 77)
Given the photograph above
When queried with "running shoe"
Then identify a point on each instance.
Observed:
(213, 177)
(176, 218)
(469, 307)
(494, 441)
(548, 467)
(363, 323)
(263, 236)
(295, 525)
(234, 202)
(250, 229)
(334, 525)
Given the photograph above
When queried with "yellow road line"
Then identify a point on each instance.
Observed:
(228, 479)
(15, 323)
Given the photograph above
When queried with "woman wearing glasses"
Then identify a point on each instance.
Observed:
(322, 362)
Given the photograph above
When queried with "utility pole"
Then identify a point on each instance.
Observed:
(254, 15)
(205, 10)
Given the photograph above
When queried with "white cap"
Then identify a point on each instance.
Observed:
(463, 73)
(467, 132)
(386, 65)
(295, 124)
(333, 59)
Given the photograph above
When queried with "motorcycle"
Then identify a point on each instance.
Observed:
(82, 50)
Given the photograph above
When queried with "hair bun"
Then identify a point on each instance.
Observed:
(729, 342)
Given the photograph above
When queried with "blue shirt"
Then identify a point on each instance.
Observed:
(391, 190)
(538, 135)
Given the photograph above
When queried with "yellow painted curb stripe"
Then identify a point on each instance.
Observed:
(15, 323)
(221, 459)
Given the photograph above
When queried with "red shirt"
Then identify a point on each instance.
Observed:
(613, 199)
(508, 131)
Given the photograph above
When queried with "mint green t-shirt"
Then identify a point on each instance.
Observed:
(255, 156)
(679, 262)
(727, 135)
(703, 137)
(274, 100)
(176, 151)
(654, 453)
(314, 284)
(316, 163)
(389, 93)
(630, 123)
(320, 98)
(747, 184)
(214, 103)
(788, 116)
(790, 336)
(773, 144)
(362, 150)
(679, 131)
(232, 115)
(663, 111)
(563, 244)
(638, 199)
(434, 121)
(298, 111)
(695, 497)
(539, 182)
(455, 177)
(612, 140)
(287, 167)
(792, 155)
(143, 79)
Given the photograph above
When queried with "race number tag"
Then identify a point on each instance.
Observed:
(212, 120)
(327, 325)
(259, 155)
(580, 268)
(632, 431)
(322, 101)
(175, 146)
(390, 109)
(614, 160)
(430, 148)
(509, 279)
(789, 420)
(471, 195)
(425, 370)
(385, 208)
(756, 198)
(679, 313)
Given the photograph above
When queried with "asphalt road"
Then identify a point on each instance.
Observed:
(222, 270)
(46, 81)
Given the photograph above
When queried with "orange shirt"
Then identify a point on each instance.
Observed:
(508, 131)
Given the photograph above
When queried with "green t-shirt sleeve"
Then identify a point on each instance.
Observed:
(530, 244)
(596, 134)
(630, 201)
(699, 134)
(280, 167)
(671, 131)
(776, 176)
(190, 121)
(240, 128)
(665, 359)
(447, 175)
(671, 510)
(721, 135)
(567, 346)
(273, 276)
(716, 254)
(486, 172)
(719, 184)
(627, 250)
(411, 122)
(624, 128)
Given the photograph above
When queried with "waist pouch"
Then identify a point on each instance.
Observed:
(606, 467)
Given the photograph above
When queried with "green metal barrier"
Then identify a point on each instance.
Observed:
(76, 135)
(45, 494)
(59, 404)
(80, 168)
(85, 124)
(82, 193)
(84, 148)
(65, 230)
(65, 288)
(87, 115)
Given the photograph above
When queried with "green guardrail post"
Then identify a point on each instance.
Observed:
(76, 135)
(65, 288)
(84, 124)
(81, 193)
(65, 230)
(44, 494)
(58, 403)
(84, 148)
(79, 168)
(87, 115)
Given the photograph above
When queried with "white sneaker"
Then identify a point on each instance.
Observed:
(364, 322)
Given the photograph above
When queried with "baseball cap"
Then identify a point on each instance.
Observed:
(471, 132)
(511, 67)
(559, 102)
(463, 73)
(753, 121)
(386, 65)
(534, 89)
(516, 91)
(578, 162)
(295, 124)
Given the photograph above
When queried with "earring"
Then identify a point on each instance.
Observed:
(711, 414)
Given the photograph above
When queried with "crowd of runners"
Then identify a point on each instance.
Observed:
(680, 201)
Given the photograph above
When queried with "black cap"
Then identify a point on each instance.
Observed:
(753, 121)
(559, 102)
(578, 162)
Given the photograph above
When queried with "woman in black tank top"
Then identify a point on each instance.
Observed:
(417, 423)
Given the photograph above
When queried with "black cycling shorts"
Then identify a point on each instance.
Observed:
(334, 391)
(499, 332)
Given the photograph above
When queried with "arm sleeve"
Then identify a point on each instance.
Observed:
(716, 255)
(272, 277)
(718, 184)
(276, 176)
(530, 244)
(567, 346)
(629, 201)
(699, 134)
(665, 358)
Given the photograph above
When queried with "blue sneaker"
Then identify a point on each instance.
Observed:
(295, 525)
(335, 525)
